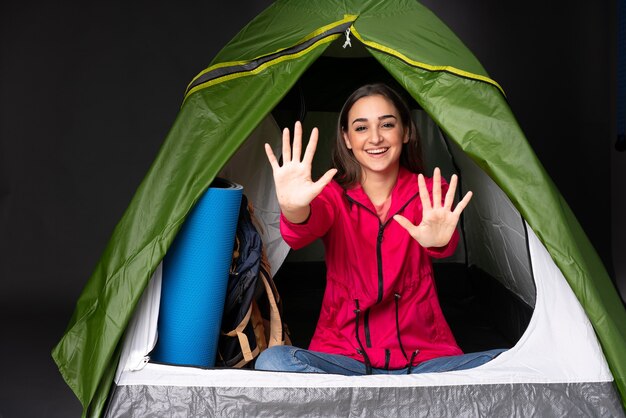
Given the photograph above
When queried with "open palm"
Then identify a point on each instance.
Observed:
(438, 219)
(295, 188)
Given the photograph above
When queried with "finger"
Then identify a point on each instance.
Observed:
(311, 147)
(404, 222)
(462, 204)
(286, 146)
(451, 192)
(297, 142)
(324, 180)
(424, 196)
(271, 157)
(437, 188)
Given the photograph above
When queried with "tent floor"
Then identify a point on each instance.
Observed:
(481, 313)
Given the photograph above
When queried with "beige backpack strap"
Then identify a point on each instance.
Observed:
(275, 335)
(248, 354)
(284, 330)
(276, 325)
(258, 326)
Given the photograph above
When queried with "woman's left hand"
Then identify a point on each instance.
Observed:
(438, 220)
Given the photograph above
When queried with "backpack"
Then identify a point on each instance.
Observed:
(250, 323)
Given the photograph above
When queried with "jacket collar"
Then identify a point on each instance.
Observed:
(405, 189)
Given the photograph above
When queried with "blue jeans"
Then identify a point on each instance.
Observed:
(293, 359)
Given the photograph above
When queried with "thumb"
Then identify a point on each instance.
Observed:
(325, 179)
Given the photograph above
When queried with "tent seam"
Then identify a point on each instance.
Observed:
(423, 65)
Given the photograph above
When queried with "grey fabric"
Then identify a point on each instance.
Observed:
(509, 400)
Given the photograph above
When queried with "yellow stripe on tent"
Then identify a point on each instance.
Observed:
(262, 66)
(423, 65)
(319, 31)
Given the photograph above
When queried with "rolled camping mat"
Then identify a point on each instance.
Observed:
(195, 275)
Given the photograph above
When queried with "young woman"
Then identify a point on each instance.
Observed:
(380, 221)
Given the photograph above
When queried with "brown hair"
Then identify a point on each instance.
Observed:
(348, 168)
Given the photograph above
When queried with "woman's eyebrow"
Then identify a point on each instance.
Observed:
(379, 118)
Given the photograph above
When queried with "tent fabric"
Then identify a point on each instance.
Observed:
(217, 116)
(502, 400)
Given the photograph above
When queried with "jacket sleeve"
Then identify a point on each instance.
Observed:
(316, 226)
(448, 249)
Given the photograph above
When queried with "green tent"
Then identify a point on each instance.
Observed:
(228, 101)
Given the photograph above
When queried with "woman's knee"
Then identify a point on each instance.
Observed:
(277, 358)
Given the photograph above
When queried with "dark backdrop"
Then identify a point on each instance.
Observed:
(89, 91)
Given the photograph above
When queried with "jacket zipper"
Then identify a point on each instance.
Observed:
(379, 256)
(366, 325)
(379, 239)
(387, 358)
(379, 252)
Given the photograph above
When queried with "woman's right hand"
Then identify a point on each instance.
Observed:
(294, 187)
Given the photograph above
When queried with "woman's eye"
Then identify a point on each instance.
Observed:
(388, 125)
(360, 128)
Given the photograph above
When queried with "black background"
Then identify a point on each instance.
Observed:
(89, 91)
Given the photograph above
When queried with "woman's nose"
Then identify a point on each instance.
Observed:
(377, 137)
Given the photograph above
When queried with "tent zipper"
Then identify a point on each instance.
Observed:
(228, 70)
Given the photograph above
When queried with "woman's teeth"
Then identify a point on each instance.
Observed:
(377, 150)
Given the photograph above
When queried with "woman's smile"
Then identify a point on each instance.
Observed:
(377, 151)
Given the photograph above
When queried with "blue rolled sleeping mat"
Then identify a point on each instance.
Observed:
(195, 275)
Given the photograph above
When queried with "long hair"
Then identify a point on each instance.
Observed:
(348, 168)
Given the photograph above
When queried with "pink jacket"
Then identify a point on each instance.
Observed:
(380, 305)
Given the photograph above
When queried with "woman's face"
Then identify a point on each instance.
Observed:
(375, 134)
